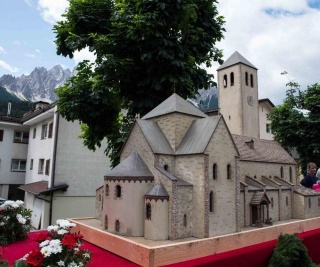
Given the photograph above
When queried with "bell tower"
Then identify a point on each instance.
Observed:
(238, 95)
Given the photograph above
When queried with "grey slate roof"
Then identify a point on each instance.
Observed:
(171, 177)
(172, 104)
(263, 151)
(258, 197)
(132, 166)
(158, 190)
(236, 58)
(198, 136)
(155, 137)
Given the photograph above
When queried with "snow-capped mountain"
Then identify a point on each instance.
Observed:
(39, 85)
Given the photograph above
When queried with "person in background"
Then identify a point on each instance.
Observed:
(310, 180)
(318, 174)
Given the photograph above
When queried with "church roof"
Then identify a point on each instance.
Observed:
(262, 150)
(198, 136)
(155, 137)
(234, 59)
(172, 177)
(173, 104)
(258, 198)
(158, 190)
(131, 167)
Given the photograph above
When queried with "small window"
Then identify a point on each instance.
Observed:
(21, 137)
(211, 202)
(107, 190)
(281, 172)
(228, 171)
(50, 130)
(34, 133)
(100, 197)
(251, 80)
(247, 78)
(185, 220)
(231, 78)
(106, 222)
(148, 211)
(1, 135)
(272, 202)
(166, 167)
(290, 174)
(47, 166)
(319, 201)
(268, 128)
(44, 131)
(31, 164)
(118, 191)
(214, 171)
(41, 166)
(18, 165)
(309, 202)
(117, 226)
(287, 201)
(225, 80)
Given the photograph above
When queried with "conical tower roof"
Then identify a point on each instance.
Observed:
(158, 191)
(234, 59)
(172, 104)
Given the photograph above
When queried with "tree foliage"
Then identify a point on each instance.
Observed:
(145, 50)
(296, 123)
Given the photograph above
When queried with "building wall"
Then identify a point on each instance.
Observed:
(8, 151)
(223, 218)
(299, 206)
(264, 110)
(174, 126)
(286, 204)
(274, 207)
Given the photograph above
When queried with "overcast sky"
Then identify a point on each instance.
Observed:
(274, 35)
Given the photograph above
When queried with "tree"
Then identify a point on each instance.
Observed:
(145, 50)
(296, 123)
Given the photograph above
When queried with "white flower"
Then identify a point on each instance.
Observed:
(21, 219)
(65, 223)
(20, 203)
(86, 255)
(44, 243)
(46, 251)
(15, 205)
(52, 228)
(60, 263)
(62, 231)
(72, 264)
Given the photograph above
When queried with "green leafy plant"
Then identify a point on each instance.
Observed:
(15, 222)
(290, 252)
(57, 247)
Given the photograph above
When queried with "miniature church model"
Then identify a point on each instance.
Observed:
(185, 174)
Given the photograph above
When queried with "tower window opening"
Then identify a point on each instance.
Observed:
(225, 81)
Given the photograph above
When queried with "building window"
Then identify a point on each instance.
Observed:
(31, 164)
(185, 220)
(47, 166)
(281, 172)
(166, 167)
(106, 222)
(117, 226)
(268, 128)
(225, 80)
(211, 202)
(319, 201)
(214, 171)
(290, 174)
(309, 201)
(34, 133)
(44, 131)
(272, 202)
(107, 190)
(251, 80)
(118, 191)
(18, 165)
(148, 211)
(41, 166)
(231, 78)
(21, 137)
(228, 171)
(247, 78)
(287, 201)
(50, 130)
(1, 135)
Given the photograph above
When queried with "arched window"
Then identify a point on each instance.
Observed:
(228, 171)
(225, 80)
(118, 191)
(247, 78)
(290, 174)
(211, 202)
(166, 167)
(319, 201)
(184, 220)
(214, 171)
(251, 80)
(231, 78)
(281, 172)
(106, 222)
(117, 227)
(272, 202)
(148, 211)
(309, 201)
(107, 190)
(287, 201)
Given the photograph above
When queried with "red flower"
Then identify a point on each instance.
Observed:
(42, 237)
(78, 236)
(69, 241)
(35, 258)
